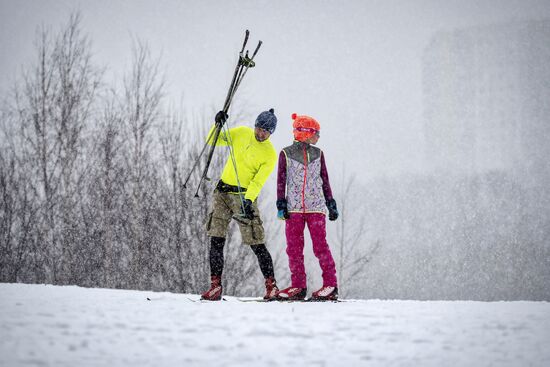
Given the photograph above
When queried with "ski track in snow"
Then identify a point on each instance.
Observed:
(44, 325)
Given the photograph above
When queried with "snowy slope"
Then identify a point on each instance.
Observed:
(72, 326)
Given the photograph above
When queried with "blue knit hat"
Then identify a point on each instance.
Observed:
(267, 121)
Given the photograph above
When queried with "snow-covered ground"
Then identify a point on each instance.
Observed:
(72, 326)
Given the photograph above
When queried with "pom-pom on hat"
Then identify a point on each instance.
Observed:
(304, 127)
(267, 121)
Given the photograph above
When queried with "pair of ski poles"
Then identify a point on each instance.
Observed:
(245, 62)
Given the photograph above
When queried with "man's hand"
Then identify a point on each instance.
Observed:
(332, 210)
(282, 208)
(221, 118)
(248, 211)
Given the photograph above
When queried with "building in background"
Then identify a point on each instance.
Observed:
(487, 100)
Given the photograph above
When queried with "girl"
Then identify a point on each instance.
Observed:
(303, 190)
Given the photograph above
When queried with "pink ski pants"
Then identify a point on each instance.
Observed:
(295, 226)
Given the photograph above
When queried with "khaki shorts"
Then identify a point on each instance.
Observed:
(227, 206)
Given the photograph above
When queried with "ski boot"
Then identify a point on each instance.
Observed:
(326, 293)
(292, 294)
(271, 289)
(215, 291)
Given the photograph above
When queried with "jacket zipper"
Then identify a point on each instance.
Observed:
(305, 181)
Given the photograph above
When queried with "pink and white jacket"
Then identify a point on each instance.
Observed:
(302, 179)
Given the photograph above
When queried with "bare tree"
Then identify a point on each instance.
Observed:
(50, 111)
(8, 219)
(101, 203)
(141, 111)
(78, 82)
(175, 200)
(352, 254)
(37, 146)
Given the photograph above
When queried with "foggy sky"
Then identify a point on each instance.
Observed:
(353, 65)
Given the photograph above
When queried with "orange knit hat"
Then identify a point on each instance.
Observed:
(304, 127)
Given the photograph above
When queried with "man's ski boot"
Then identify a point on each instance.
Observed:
(271, 289)
(292, 294)
(326, 293)
(215, 291)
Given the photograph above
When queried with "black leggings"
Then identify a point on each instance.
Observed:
(216, 257)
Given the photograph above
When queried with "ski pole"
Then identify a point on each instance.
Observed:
(249, 63)
(210, 154)
(228, 98)
(243, 64)
(216, 132)
(197, 160)
(237, 70)
(225, 109)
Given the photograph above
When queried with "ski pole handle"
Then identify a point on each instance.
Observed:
(257, 48)
(247, 33)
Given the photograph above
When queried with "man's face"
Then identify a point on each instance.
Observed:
(261, 134)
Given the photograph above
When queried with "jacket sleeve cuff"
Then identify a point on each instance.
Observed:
(281, 204)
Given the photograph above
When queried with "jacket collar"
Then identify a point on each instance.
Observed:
(300, 144)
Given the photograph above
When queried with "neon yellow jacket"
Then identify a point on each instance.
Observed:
(255, 160)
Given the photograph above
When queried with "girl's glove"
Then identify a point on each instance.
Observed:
(282, 212)
(332, 210)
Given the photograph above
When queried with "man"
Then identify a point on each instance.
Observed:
(235, 197)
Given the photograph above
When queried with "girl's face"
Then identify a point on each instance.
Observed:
(313, 139)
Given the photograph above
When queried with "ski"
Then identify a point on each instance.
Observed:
(324, 300)
(255, 300)
(290, 300)
(204, 300)
(243, 64)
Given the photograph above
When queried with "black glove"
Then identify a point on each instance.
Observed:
(248, 211)
(332, 210)
(282, 209)
(221, 118)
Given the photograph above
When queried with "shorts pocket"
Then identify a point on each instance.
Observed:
(258, 232)
(208, 222)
